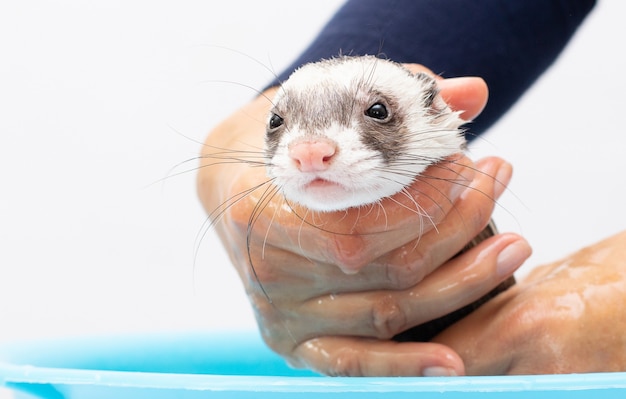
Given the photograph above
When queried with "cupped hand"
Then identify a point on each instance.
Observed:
(330, 289)
(565, 317)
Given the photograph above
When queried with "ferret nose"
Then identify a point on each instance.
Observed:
(312, 156)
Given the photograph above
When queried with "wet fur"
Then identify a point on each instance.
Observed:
(376, 159)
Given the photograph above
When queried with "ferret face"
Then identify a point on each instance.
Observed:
(350, 131)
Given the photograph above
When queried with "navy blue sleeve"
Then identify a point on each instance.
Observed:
(508, 43)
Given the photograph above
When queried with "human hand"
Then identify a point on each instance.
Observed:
(328, 292)
(565, 317)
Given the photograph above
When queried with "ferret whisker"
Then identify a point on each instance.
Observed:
(359, 209)
(266, 197)
(424, 140)
(233, 156)
(372, 71)
(235, 159)
(424, 177)
(419, 211)
(381, 208)
(440, 130)
(397, 170)
(364, 80)
(267, 231)
(325, 230)
(225, 157)
(170, 173)
(255, 149)
(252, 164)
(181, 134)
(215, 216)
(407, 190)
(248, 56)
(461, 181)
(370, 210)
(466, 184)
(300, 233)
(225, 152)
(252, 88)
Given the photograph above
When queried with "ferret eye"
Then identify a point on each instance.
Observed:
(275, 122)
(377, 111)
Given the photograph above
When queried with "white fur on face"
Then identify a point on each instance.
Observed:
(359, 174)
(356, 171)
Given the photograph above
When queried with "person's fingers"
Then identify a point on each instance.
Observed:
(348, 356)
(471, 213)
(401, 267)
(383, 314)
(562, 318)
(351, 239)
(279, 284)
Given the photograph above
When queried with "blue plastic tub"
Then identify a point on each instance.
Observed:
(238, 365)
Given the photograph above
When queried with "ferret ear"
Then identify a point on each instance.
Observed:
(431, 99)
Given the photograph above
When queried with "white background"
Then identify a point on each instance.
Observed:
(93, 95)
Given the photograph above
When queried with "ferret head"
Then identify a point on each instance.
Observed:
(350, 131)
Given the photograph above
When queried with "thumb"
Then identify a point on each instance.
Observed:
(467, 94)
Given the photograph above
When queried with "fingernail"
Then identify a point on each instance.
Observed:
(512, 257)
(502, 179)
(438, 372)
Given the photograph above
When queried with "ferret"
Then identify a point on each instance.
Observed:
(351, 130)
